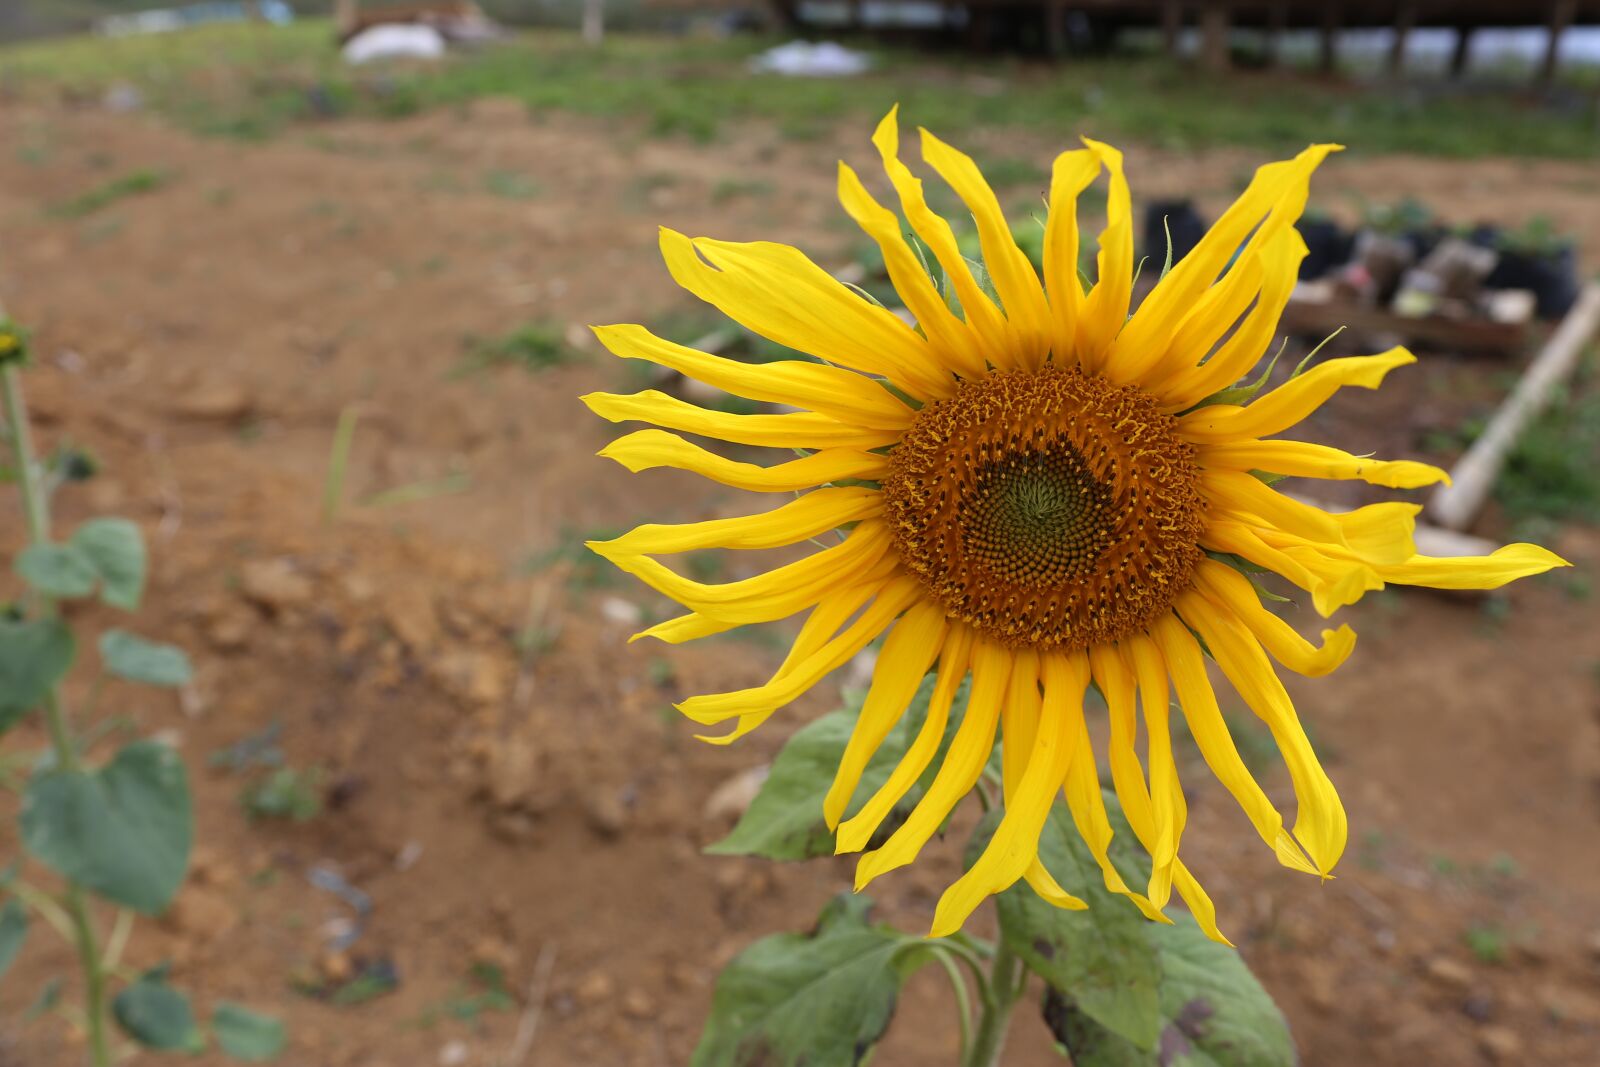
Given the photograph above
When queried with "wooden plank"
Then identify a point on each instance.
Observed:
(1454, 506)
(1456, 335)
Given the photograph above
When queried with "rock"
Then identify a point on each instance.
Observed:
(731, 799)
(495, 952)
(473, 676)
(1501, 1043)
(608, 813)
(513, 770)
(1568, 1005)
(229, 632)
(620, 612)
(274, 584)
(1449, 972)
(214, 402)
(453, 1054)
(1479, 1006)
(410, 614)
(637, 1004)
(595, 989)
(202, 914)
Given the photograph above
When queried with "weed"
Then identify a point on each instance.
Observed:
(585, 570)
(1554, 471)
(287, 793)
(534, 347)
(740, 188)
(511, 185)
(109, 192)
(1487, 942)
(486, 992)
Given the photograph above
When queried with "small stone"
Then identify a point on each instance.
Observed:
(274, 584)
(336, 966)
(620, 612)
(473, 676)
(1501, 1043)
(638, 1005)
(495, 952)
(596, 988)
(1450, 972)
(453, 1054)
(410, 614)
(513, 769)
(1479, 1007)
(1568, 1005)
(214, 402)
(608, 815)
(730, 799)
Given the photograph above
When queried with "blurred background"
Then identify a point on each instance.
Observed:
(309, 290)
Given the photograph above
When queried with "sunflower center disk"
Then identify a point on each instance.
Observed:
(1047, 509)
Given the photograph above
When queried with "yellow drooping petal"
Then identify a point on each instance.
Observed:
(1211, 736)
(952, 338)
(963, 764)
(1229, 589)
(788, 686)
(1473, 572)
(954, 659)
(646, 449)
(816, 512)
(1106, 307)
(1168, 808)
(1019, 719)
(801, 429)
(1009, 267)
(1379, 533)
(1015, 844)
(1072, 173)
(1280, 258)
(840, 394)
(1236, 495)
(1321, 827)
(1302, 459)
(1333, 584)
(907, 654)
(1290, 402)
(775, 291)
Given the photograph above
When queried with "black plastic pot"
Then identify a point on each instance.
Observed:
(1182, 221)
(1328, 247)
(1552, 276)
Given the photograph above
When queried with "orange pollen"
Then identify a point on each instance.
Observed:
(1047, 509)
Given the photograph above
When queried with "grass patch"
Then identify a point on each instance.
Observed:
(534, 347)
(1553, 474)
(251, 81)
(510, 185)
(109, 192)
(286, 793)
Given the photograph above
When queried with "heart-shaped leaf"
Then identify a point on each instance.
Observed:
(134, 658)
(60, 571)
(156, 1015)
(116, 549)
(245, 1034)
(34, 656)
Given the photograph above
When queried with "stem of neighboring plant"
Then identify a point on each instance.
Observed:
(958, 983)
(36, 509)
(1006, 981)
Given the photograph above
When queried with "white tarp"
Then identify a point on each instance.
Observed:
(804, 59)
(394, 40)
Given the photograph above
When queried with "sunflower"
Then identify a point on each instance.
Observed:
(1042, 491)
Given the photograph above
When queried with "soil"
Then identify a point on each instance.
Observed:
(542, 812)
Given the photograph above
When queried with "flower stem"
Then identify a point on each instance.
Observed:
(1006, 981)
(36, 510)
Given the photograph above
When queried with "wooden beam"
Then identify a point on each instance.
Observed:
(1214, 20)
(1055, 28)
(1171, 25)
(1454, 506)
(1328, 42)
(1404, 20)
(1562, 13)
(1277, 22)
(1463, 50)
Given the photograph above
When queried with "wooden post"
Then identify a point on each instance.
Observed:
(1405, 19)
(1561, 15)
(1214, 18)
(1277, 22)
(344, 17)
(1463, 50)
(594, 21)
(1055, 28)
(1171, 25)
(1332, 23)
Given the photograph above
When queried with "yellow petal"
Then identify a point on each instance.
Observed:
(1216, 745)
(1048, 888)
(832, 391)
(775, 291)
(1071, 174)
(1302, 459)
(817, 512)
(1213, 315)
(1473, 572)
(1234, 494)
(1291, 401)
(907, 653)
(1015, 844)
(1106, 307)
(1320, 824)
(1168, 807)
(1333, 584)
(954, 658)
(989, 329)
(1019, 719)
(646, 449)
(963, 764)
(802, 429)
(789, 685)
(1232, 591)
(1009, 268)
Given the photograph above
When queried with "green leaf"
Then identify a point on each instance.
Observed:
(33, 657)
(57, 570)
(47, 999)
(117, 550)
(1101, 957)
(1213, 1012)
(123, 831)
(809, 1000)
(156, 1015)
(138, 660)
(13, 931)
(784, 822)
(245, 1034)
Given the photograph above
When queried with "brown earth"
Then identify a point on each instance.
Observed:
(543, 812)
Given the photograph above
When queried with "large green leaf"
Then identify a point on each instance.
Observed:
(809, 1000)
(784, 822)
(245, 1034)
(13, 931)
(117, 550)
(156, 1015)
(123, 831)
(57, 570)
(1213, 1013)
(33, 657)
(129, 656)
(1101, 957)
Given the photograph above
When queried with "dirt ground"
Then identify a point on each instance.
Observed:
(543, 812)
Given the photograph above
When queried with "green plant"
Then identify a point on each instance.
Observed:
(287, 793)
(108, 193)
(114, 832)
(534, 347)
